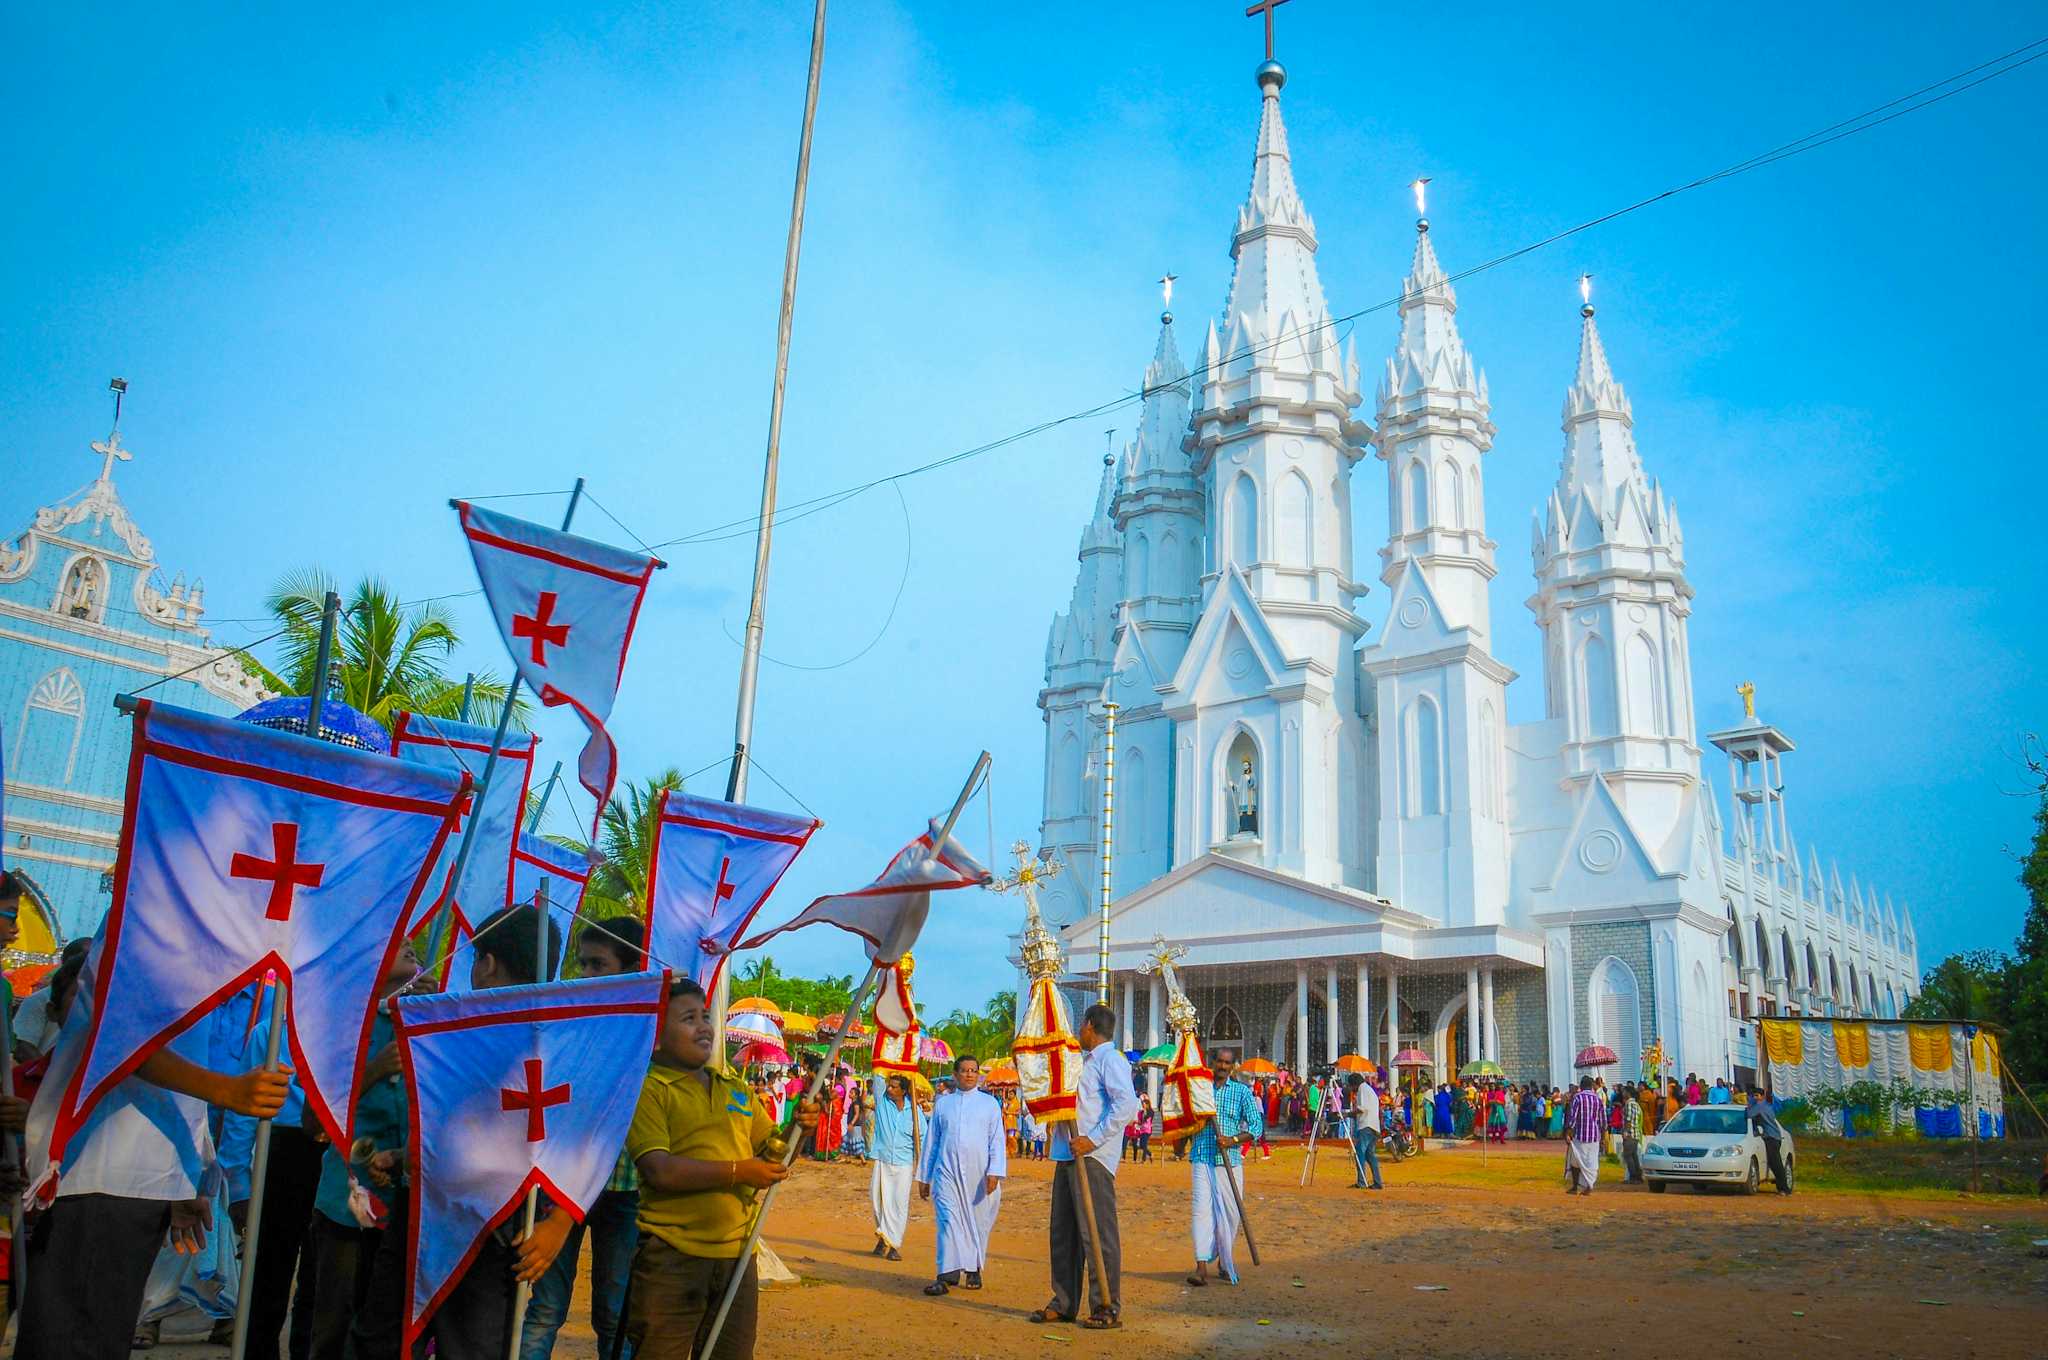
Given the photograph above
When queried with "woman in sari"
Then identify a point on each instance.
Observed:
(1556, 1129)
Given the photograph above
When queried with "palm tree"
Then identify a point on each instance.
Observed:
(388, 655)
(625, 838)
(986, 1035)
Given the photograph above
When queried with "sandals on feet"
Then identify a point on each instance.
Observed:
(1198, 1280)
(1048, 1314)
(894, 1255)
(936, 1288)
(1101, 1322)
(972, 1280)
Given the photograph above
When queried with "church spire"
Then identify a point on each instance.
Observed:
(1600, 450)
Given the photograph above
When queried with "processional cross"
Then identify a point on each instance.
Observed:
(1180, 1012)
(1266, 7)
(1041, 950)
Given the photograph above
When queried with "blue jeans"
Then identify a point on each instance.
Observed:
(613, 1235)
(1365, 1153)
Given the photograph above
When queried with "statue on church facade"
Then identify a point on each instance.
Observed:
(1244, 801)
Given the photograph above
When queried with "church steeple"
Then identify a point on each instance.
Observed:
(1613, 600)
(1159, 508)
(1434, 430)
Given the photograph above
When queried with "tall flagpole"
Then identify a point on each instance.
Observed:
(259, 1160)
(764, 533)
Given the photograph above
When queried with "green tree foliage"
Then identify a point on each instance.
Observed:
(2026, 978)
(625, 841)
(985, 1035)
(388, 655)
(815, 997)
(1968, 986)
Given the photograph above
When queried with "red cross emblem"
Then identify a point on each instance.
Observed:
(535, 1100)
(541, 627)
(286, 874)
(721, 892)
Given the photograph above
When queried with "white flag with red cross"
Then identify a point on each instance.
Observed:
(511, 1088)
(245, 850)
(566, 607)
(889, 912)
(452, 745)
(712, 866)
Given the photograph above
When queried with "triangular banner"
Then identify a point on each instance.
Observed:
(566, 607)
(244, 850)
(514, 1087)
(712, 866)
(447, 744)
(565, 874)
(890, 912)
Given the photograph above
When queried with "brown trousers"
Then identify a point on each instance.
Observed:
(674, 1299)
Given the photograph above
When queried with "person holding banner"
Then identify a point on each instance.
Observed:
(703, 1146)
(474, 1321)
(1216, 1151)
(134, 1171)
(1104, 1103)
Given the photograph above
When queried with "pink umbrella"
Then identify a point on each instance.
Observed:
(1412, 1057)
(761, 1051)
(1599, 1055)
(933, 1050)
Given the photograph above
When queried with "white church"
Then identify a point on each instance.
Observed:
(1334, 816)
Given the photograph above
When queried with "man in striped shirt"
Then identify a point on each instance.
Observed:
(1214, 1152)
(1584, 1119)
(1631, 1136)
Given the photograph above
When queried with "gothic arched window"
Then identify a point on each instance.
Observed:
(1418, 498)
(1225, 1027)
(1645, 703)
(1596, 680)
(1294, 523)
(1488, 760)
(1141, 566)
(1171, 576)
(1423, 763)
(1450, 496)
(1244, 521)
(1615, 1015)
(1734, 938)
(1132, 828)
(1763, 947)
(52, 722)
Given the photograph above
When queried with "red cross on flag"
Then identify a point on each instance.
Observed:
(245, 850)
(712, 866)
(889, 912)
(510, 1088)
(566, 607)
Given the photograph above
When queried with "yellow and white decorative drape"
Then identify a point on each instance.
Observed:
(1806, 1056)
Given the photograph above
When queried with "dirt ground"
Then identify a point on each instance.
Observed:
(1459, 1256)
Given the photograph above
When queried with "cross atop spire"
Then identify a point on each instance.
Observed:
(1266, 8)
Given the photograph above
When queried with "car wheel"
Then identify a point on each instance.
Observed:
(1749, 1186)
(1790, 1183)
(1658, 1187)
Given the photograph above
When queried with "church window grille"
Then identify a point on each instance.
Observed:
(1244, 521)
(1294, 522)
(1763, 946)
(1424, 759)
(1615, 1014)
(1787, 962)
(52, 724)
(1225, 1027)
(1596, 680)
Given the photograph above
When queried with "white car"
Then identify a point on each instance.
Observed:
(1710, 1145)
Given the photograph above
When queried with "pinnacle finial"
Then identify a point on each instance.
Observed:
(1166, 282)
(1585, 295)
(1421, 211)
(1041, 949)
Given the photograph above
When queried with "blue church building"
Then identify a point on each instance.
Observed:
(86, 614)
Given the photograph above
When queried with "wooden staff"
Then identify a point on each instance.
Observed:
(1243, 1220)
(1088, 1221)
(524, 1294)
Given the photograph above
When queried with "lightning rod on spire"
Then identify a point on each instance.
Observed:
(1166, 282)
(1421, 212)
(1585, 294)
(1108, 447)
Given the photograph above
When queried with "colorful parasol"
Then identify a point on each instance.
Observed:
(932, 1049)
(1352, 1062)
(761, 1051)
(1412, 1057)
(752, 1026)
(797, 1025)
(755, 1003)
(1599, 1055)
(831, 1023)
(1258, 1067)
(1000, 1074)
(1481, 1067)
(1157, 1057)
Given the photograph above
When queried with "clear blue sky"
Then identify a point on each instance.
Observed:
(356, 263)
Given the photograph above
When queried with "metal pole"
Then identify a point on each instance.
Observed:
(750, 653)
(524, 1294)
(259, 1160)
(850, 1017)
(546, 790)
(483, 784)
(1108, 845)
(468, 696)
(1970, 1102)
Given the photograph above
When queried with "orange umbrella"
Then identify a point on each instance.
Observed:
(1352, 1062)
(1001, 1074)
(755, 1003)
(830, 1025)
(1258, 1067)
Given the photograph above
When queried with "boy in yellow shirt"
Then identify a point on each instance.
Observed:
(698, 1140)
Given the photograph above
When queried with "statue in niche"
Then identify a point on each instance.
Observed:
(82, 589)
(1244, 801)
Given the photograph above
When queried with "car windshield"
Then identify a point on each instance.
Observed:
(1701, 1120)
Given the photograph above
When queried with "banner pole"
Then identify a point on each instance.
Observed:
(848, 1020)
(443, 917)
(524, 1295)
(259, 1159)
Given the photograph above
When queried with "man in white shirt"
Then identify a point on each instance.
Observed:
(136, 1169)
(1365, 1132)
(1105, 1102)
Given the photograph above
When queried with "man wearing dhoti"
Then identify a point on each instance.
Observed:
(899, 1137)
(962, 1175)
(1585, 1119)
(1214, 1153)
